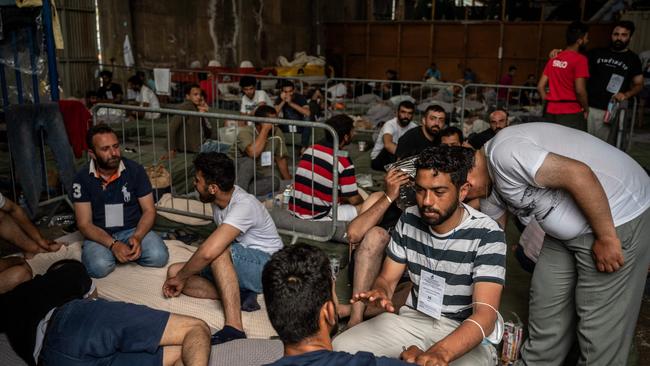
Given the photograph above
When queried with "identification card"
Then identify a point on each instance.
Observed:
(615, 83)
(114, 215)
(109, 95)
(430, 294)
(293, 129)
(266, 158)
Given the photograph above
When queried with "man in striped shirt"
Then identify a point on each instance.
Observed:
(312, 196)
(455, 257)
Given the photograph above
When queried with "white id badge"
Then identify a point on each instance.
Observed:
(114, 215)
(430, 294)
(293, 129)
(266, 158)
(615, 83)
(109, 95)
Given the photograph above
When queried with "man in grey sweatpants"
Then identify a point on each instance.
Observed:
(593, 201)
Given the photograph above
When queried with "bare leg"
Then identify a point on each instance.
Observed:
(196, 286)
(228, 287)
(10, 231)
(192, 334)
(368, 259)
(13, 271)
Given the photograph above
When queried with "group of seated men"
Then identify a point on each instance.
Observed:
(590, 273)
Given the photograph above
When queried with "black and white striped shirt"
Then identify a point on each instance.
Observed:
(475, 251)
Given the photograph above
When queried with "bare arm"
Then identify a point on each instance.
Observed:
(581, 93)
(213, 247)
(304, 110)
(283, 167)
(372, 216)
(20, 217)
(635, 88)
(255, 149)
(389, 145)
(541, 86)
(148, 216)
(580, 181)
(354, 200)
(83, 215)
(468, 335)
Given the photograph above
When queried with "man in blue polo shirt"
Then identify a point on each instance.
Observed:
(114, 208)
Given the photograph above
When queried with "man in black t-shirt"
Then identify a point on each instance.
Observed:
(615, 74)
(109, 92)
(292, 105)
(418, 139)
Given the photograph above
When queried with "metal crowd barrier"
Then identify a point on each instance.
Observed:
(229, 94)
(149, 139)
(356, 96)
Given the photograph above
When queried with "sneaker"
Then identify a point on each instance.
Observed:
(227, 334)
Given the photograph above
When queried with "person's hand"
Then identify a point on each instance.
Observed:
(136, 248)
(619, 97)
(203, 107)
(430, 358)
(554, 52)
(121, 251)
(395, 178)
(49, 245)
(379, 297)
(586, 114)
(608, 254)
(267, 126)
(287, 97)
(173, 287)
(410, 354)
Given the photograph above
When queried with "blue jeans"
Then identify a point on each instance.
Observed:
(100, 261)
(248, 264)
(100, 332)
(215, 146)
(24, 125)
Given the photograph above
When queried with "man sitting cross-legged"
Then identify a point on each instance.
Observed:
(233, 256)
(455, 257)
(301, 303)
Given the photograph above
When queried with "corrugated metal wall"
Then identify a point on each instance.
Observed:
(78, 60)
(641, 38)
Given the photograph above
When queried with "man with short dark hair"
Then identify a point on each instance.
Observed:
(301, 303)
(259, 150)
(498, 121)
(293, 106)
(312, 196)
(451, 136)
(114, 208)
(109, 92)
(145, 97)
(455, 258)
(616, 74)
(385, 148)
(233, 256)
(417, 139)
(566, 74)
(251, 97)
(187, 133)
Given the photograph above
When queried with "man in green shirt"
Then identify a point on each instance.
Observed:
(258, 147)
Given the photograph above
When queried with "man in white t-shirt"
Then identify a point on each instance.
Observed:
(145, 97)
(251, 97)
(386, 144)
(233, 256)
(592, 201)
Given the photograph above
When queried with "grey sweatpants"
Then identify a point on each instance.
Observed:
(569, 298)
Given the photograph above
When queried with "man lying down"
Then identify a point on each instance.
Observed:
(55, 319)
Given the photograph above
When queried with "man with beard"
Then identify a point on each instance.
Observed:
(455, 258)
(300, 299)
(592, 201)
(418, 139)
(386, 144)
(498, 121)
(114, 208)
(228, 265)
(616, 74)
(566, 75)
